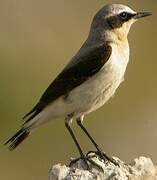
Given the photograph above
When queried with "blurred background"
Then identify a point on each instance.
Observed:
(37, 38)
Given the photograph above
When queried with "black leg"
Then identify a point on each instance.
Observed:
(67, 124)
(74, 138)
(99, 150)
(86, 159)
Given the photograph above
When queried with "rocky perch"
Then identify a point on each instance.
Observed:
(141, 168)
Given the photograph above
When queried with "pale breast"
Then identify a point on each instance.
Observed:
(93, 93)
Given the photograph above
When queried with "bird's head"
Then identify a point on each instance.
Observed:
(116, 19)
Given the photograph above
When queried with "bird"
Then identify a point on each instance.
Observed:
(89, 80)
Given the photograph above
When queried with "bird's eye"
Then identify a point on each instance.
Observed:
(123, 15)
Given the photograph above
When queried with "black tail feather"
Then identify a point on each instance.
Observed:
(15, 140)
(13, 137)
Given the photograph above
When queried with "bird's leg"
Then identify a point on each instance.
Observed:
(85, 158)
(67, 124)
(99, 151)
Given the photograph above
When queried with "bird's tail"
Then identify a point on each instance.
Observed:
(15, 140)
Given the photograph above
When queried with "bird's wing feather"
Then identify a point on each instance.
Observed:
(84, 66)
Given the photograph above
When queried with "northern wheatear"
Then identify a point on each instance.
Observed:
(90, 78)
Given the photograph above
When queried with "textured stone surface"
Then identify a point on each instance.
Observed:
(141, 168)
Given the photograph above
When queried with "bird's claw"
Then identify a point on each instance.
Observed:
(87, 160)
(103, 156)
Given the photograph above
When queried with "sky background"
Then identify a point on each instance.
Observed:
(37, 39)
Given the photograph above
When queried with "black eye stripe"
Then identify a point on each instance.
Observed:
(125, 16)
(117, 21)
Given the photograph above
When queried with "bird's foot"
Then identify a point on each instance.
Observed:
(102, 155)
(73, 161)
(88, 161)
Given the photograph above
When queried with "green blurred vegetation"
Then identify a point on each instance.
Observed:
(37, 38)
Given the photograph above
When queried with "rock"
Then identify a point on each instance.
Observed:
(141, 168)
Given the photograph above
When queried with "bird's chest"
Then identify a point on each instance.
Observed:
(118, 62)
(113, 71)
(110, 76)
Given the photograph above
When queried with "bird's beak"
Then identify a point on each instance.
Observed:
(139, 15)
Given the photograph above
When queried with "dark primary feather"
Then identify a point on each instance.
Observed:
(85, 65)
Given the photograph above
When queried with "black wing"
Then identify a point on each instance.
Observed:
(83, 67)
